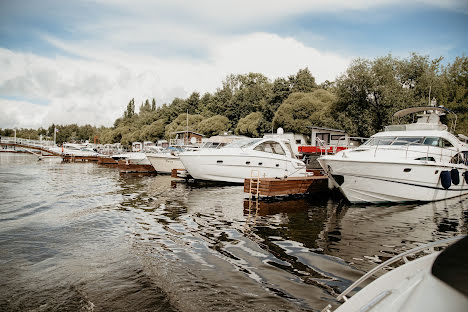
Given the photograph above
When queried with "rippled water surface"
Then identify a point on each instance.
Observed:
(82, 237)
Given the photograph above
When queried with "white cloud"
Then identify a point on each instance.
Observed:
(96, 87)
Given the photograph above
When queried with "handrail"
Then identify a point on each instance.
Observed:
(394, 259)
(439, 154)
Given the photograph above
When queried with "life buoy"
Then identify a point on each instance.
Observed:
(455, 175)
(445, 179)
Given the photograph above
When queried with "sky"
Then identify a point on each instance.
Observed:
(81, 62)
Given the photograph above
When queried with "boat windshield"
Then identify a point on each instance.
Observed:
(431, 141)
(242, 143)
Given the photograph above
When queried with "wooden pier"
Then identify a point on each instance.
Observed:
(285, 186)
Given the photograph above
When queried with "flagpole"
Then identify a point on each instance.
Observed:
(55, 135)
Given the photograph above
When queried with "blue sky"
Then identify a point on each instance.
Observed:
(82, 61)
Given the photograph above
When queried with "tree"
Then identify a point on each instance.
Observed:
(252, 125)
(303, 81)
(153, 105)
(214, 125)
(180, 124)
(130, 109)
(155, 131)
(303, 110)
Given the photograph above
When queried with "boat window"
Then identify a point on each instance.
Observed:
(446, 143)
(242, 143)
(260, 148)
(270, 147)
(289, 148)
(408, 141)
(379, 141)
(431, 141)
(277, 149)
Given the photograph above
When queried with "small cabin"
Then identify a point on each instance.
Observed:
(137, 146)
(186, 138)
(328, 136)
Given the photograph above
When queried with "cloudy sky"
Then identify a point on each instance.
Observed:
(82, 61)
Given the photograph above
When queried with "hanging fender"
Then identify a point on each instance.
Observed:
(465, 174)
(445, 179)
(455, 175)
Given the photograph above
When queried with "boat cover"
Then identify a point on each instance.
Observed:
(451, 266)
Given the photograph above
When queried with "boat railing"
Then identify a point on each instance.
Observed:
(409, 147)
(404, 256)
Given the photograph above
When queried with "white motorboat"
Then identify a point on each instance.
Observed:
(165, 161)
(434, 282)
(78, 150)
(269, 157)
(412, 162)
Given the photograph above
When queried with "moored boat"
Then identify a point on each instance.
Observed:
(412, 162)
(266, 157)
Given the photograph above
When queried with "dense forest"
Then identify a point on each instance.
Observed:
(361, 101)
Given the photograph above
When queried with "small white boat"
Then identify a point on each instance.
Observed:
(269, 157)
(413, 162)
(435, 282)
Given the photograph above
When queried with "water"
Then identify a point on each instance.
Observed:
(82, 237)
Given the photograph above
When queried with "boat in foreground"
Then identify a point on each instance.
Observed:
(435, 282)
(413, 162)
(267, 157)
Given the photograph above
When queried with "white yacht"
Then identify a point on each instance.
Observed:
(269, 157)
(421, 161)
(434, 282)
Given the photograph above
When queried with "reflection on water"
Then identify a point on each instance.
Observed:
(84, 237)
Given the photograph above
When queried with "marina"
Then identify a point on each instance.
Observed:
(112, 241)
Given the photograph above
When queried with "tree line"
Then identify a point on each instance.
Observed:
(361, 101)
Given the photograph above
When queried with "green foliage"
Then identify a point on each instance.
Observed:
(214, 125)
(302, 110)
(155, 131)
(303, 81)
(180, 124)
(252, 125)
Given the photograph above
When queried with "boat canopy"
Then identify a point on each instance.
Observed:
(411, 110)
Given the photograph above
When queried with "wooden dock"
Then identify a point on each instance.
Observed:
(285, 186)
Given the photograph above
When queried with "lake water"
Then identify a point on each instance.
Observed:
(82, 237)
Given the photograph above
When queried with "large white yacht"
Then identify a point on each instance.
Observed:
(269, 157)
(421, 161)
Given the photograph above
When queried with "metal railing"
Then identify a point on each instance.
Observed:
(38, 143)
(435, 152)
(403, 256)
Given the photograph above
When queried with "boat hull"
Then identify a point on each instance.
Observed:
(236, 168)
(380, 182)
(164, 163)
